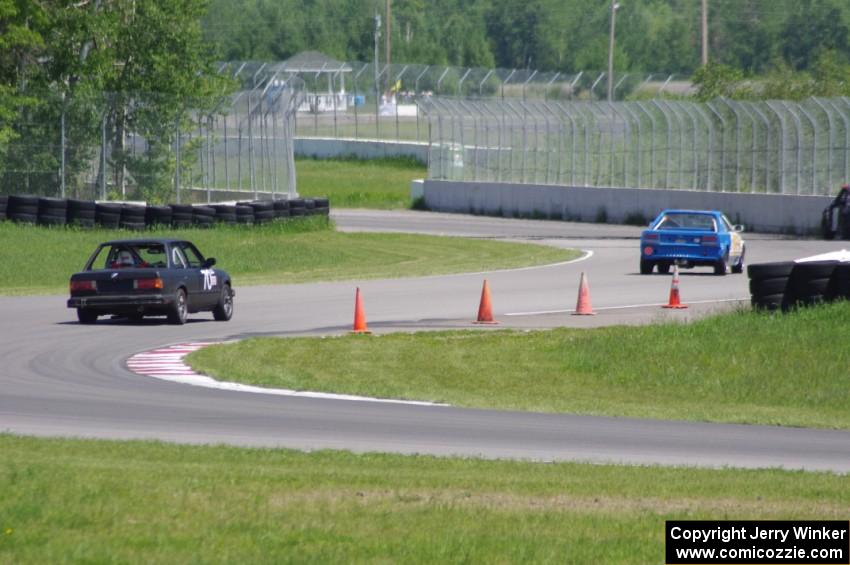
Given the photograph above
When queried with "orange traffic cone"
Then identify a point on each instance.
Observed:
(359, 316)
(674, 291)
(583, 307)
(485, 309)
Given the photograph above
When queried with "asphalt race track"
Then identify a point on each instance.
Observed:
(60, 378)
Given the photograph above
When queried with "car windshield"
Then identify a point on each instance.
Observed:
(685, 221)
(128, 256)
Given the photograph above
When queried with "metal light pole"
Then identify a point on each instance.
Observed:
(704, 32)
(377, 41)
(614, 7)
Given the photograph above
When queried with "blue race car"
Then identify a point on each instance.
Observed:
(691, 238)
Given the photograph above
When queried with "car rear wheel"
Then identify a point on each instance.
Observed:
(646, 267)
(739, 268)
(664, 268)
(721, 267)
(179, 311)
(86, 316)
(223, 311)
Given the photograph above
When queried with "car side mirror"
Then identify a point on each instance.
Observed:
(209, 262)
(738, 227)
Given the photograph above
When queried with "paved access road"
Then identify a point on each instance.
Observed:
(60, 378)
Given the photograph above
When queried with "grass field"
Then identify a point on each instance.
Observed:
(38, 260)
(140, 502)
(353, 183)
(790, 370)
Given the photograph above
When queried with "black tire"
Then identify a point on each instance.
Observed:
(763, 287)
(181, 209)
(23, 200)
(22, 208)
(225, 213)
(179, 311)
(132, 214)
(86, 316)
(738, 268)
(813, 270)
(52, 208)
(721, 267)
(108, 215)
(281, 206)
(4, 202)
(81, 212)
(158, 215)
(133, 226)
(844, 224)
(322, 202)
(244, 214)
(646, 267)
(322, 211)
(24, 218)
(51, 220)
(770, 270)
(768, 301)
(297, 212)
(223, 311)
(839, 288)
(263, 216)
(203, 216)
(664, 268)
(296, 203)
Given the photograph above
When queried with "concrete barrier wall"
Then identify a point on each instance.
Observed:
(323, 148)
(770, 213)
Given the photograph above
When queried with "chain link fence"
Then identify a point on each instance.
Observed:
(356, 100)
(118, 147)
(723, 146)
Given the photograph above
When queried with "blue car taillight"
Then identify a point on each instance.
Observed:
(709, 240)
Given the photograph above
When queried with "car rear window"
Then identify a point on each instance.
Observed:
(687, 222)
(133, 256)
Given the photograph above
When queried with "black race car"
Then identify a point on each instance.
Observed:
(150, 277)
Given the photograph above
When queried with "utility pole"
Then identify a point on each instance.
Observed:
(704, 27)
(614, 7)
(388, 44)
(377, 42)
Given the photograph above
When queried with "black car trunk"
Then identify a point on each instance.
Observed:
(116, 281)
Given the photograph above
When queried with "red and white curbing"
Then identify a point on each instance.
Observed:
(166, 363)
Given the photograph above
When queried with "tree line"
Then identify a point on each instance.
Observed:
(754, 36)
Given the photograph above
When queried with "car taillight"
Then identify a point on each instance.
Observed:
(650, 236)
(83, 286)
(709, 240)
(147, 284)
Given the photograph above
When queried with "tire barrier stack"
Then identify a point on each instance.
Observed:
(81, 213)
(52, 211)
(203, 216)
(787, 285)
(46, 211)
(158, 215)
(22, 209)
(132, 217)
(225, 213)
(107, 215)
(297, 207)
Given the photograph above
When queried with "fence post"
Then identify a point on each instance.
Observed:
(815, 132)
(177, 165)
(798, 131)
(62, 150)
(651, 143)
(781, 120)
(831, 141)
(722, 145)
(669, 146)
(103, 156)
